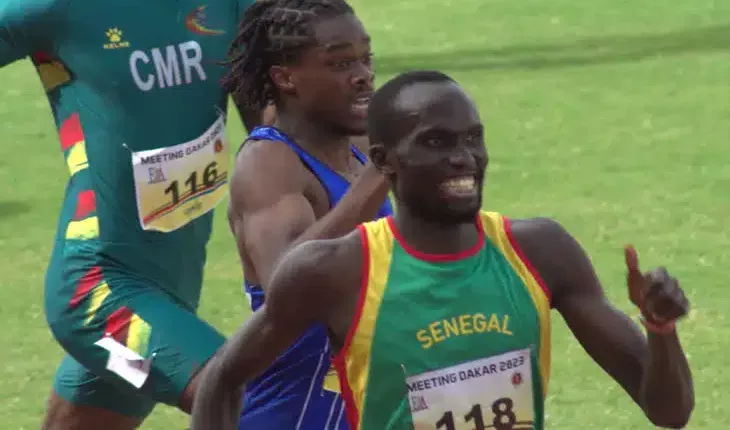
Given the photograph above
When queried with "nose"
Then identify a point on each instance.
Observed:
(462, 158)
(363, 76)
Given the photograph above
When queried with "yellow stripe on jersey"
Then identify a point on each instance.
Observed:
(84, 229)
(356, 355)
(138, 335)
(76, 158)
(52, 75)
(98, 294)
(331, 381)
(498, 233)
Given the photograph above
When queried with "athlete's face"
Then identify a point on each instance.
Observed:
(437, 166)
(333, 81)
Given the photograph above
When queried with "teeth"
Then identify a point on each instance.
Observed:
(459, 186)
(460, 183)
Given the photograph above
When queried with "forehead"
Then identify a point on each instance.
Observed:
(442, 105)
(339, 32)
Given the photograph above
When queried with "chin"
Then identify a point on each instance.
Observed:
(445, 211)
(350, 129)
(461, 209)
(358, 129)
(450, 216)
(460, 216)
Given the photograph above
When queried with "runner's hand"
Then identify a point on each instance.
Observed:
(656, 293)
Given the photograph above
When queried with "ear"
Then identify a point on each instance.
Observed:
(379, 157)
(281, 76)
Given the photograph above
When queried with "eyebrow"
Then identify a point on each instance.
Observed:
(438, 129)
(344, 45)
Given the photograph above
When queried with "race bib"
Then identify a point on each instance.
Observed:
(178, 184)
(491, 393)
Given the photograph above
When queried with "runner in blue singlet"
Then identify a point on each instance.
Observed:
(301, 388)
(301, 179)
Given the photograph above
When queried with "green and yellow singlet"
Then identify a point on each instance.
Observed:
(447, 342)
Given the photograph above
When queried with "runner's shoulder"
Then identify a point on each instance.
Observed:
(37, 13)
(330, 263)
(261, 160)
(34, 6)
(316, 279)
(339, 259)
(542, 230)
(268, 168)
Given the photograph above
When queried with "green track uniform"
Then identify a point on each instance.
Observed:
(133, 86)
(449, 342)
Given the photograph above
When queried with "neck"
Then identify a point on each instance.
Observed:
(429, 237)
(322, 142)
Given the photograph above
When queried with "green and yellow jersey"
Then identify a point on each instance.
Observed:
(447, 342)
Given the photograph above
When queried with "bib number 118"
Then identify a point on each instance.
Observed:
(503, 417)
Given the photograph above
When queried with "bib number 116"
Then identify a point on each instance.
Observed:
(209, 176)
(503, 417)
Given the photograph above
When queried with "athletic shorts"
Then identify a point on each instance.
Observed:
(153, 344)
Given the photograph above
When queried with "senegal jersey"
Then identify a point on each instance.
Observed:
(134, 90)
(448, 342)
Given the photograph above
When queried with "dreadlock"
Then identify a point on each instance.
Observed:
(272, 32)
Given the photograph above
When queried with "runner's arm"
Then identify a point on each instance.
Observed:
(27, 26)
(270, 212)
(297, 298)
(654, 370)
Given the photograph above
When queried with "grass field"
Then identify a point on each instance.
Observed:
(611, 116)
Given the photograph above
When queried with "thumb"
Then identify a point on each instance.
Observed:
(632, 260)
(634, 277)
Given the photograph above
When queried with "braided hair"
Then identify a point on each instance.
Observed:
(272, 32)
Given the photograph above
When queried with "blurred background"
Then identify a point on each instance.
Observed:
(612, 116)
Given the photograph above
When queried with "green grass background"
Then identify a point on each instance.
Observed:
(611, 116)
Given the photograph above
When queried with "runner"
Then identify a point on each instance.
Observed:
(451, 329)
(134, 90)
(312, 58)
